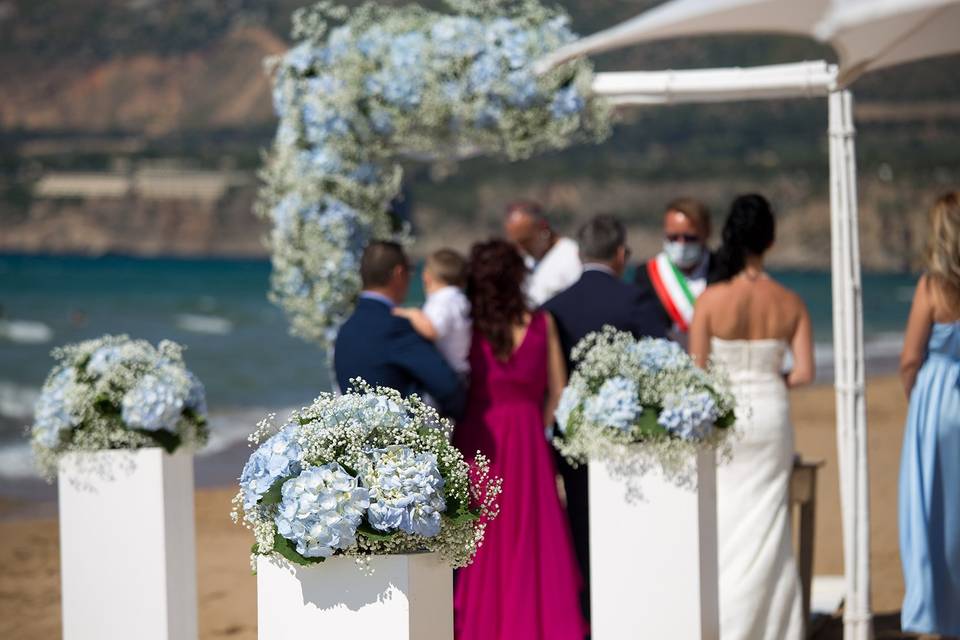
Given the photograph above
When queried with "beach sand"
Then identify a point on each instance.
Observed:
(30, 581)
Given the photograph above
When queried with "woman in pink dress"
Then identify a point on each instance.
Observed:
(524, 582)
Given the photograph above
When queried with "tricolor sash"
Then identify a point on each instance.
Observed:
(671, 287)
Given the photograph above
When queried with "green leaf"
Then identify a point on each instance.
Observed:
(726, 421)
(286, 549)
(163, 438)
(375, 534)
(647, 424)
(458, 513)
(272, 495)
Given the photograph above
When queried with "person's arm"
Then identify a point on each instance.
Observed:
(556, 371)
(917, 334)
(422, 362)
(420, 321)
(699, 334)
(801, 345)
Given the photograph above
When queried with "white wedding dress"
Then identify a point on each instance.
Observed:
(760, 594)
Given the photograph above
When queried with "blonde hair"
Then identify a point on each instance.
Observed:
(943, 249)
(447, 266)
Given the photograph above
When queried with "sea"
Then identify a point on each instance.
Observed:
(238, 342)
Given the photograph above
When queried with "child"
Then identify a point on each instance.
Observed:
(445, 317)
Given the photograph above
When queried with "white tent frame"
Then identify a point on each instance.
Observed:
(808, 79)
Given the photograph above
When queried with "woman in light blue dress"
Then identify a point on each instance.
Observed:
(929, 507)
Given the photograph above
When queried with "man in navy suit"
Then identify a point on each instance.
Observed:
(600, 297)
(384, 349)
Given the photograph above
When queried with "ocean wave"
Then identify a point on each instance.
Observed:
(25, 331)
(198, 323)
(17, 401)
(227, 429)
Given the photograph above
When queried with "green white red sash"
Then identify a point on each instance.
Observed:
(671, 287)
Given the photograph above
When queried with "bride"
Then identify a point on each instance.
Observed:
(746, 323)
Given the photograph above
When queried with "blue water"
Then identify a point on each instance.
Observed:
(237, 342)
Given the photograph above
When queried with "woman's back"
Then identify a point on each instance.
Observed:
(521, 378)
(753, 308)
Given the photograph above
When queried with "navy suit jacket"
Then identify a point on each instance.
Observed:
(597, 299)
(384, 350)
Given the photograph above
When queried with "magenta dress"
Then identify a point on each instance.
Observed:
(524, 582)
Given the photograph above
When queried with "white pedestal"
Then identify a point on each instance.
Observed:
(408, 597)
(653, 561)
(127, 547)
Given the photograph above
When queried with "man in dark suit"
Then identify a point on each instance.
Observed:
(600, 297)
(382, 348)
(675, 277)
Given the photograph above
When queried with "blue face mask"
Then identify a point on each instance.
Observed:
(683, 254)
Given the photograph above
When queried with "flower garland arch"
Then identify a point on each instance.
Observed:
(368, 86)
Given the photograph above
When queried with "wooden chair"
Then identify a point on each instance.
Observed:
(803, 495)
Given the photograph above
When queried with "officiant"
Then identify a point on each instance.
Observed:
(678, 274)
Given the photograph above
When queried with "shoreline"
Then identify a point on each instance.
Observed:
(30, 605)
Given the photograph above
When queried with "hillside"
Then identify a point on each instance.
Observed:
(97, 84)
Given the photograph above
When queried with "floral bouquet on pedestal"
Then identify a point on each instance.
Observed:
(639, 404)
(117, 393)
(365, 473)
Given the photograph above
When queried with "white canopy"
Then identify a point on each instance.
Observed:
(867, 34)
(807, 79)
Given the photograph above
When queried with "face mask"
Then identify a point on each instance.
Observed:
(683, 254)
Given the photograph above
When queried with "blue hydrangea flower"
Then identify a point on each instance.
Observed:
(155, 402)
(278, 456)
(658, 354)
(104, 359)
(569, 400)
(510, 40)
(53, 412)
(369, 411)
(196, 396)
(457, 36)
(381, 121)
(339, 44)
(320, 123)
(615, 405)
(483, 73)
(688, 415)
(522, 89)
(373, 43)
(319, 160)
(301, 57)
(567, 102)
(406, 491)
(320, 510)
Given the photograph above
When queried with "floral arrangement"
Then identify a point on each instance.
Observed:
(360, 474)
(641, 403)
(117, 393)
(368, 85)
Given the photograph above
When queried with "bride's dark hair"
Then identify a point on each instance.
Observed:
(749, 230)
(495, 289)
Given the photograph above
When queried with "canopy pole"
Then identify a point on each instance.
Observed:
(849, 376)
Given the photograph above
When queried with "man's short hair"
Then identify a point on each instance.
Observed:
(448, 266)
(529, 207)
(601, 237)
(695, 210)
(379, 260)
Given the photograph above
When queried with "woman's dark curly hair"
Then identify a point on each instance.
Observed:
(495, 288)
